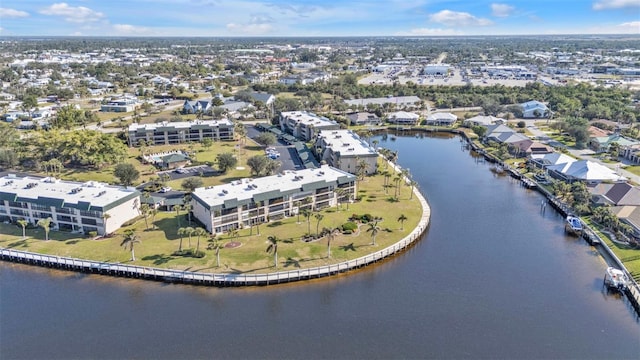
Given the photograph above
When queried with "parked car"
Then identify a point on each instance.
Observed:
(165, 189)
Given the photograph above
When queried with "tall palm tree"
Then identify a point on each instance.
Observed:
(413, 184)
(23, 223)
(178, 208)
(144, 211)
(273, 248)
(214, 244)
(130, 239)
(189, 231)
(340, 193)
(319, 218)
(45, 224)
(402, 219)
(331, 235)
(187, 208)
(373, 229)
(307, 214)
(182, 232)
(199, 232)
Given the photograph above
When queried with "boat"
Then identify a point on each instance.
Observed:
(573, 225)
(616, 279)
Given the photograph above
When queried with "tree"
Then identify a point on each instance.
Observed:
(126, 173)
(257, 164)
(206, 143)
(273, 248)
(319, 218)
(46, 225)
(145, 211)
(187, 207)
(373, 229)
(307, 214)
(266, 139)
(189, 231)
(215, 245)
(182, 232)
(226, 161)
(402, 219)
(130, 239)
(331, 235)
(23, 223)
(199, 232)
(192, 183)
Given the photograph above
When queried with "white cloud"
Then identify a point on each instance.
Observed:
(615, 4)
(250, 29)
(79, 14)
(12, 13)
(127, 29)
(624, 28)
(455, 18)
(501, 10)
(430, 32)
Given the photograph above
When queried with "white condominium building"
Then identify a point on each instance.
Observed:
(72, 206)
(166, 133)
(252, 201)
(305, 125)
(344, 149)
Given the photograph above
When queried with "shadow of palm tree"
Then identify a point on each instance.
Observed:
(159, 259)
(72, 242)
(347, 247)
(20, 243)
(292, 262)
(274, 224)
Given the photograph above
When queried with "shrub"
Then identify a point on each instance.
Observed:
(366, 218)
(349, 226)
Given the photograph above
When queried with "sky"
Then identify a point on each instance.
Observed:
(317, 17)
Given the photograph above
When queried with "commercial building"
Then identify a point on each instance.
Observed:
(344, 150)
(436, 69)
(72, 206)
(247, 202)
(305, 125)
(166, 133)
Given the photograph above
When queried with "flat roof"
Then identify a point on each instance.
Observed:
(91, 195)
(346, 142)
(308, 118)
(180, 125)
(404, 100)
(287, 182)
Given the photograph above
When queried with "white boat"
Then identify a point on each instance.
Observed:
(616, 279)
(573, 225)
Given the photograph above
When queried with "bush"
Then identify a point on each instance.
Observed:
(190, 253)
(366, 218)
(349, 226)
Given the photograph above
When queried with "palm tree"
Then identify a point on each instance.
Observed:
(340, 193)
(178, 208)
(189, 231)
(144, 211)
(373, 229)
(319, 218)
(45, 224)
(307, 214)
(23, 223)
(182, 232)
(273, 248)
(215, 245)
(105, 217)
(413, 184)
(199, 232)
(187, 208)
(130, 239)
(331, 235)
(402, 219)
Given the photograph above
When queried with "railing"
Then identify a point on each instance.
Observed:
(171, 275)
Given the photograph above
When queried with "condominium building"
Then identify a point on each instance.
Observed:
(305, 125)
(72, 206)
(166, 133)
(247, 202)
(345, 150)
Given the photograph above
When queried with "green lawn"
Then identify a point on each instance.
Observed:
(159, 243)
(629, 257)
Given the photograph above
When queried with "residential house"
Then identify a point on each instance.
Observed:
(247, 202)
(534, 110)
(364, 118)
(403, 118)
(482, 120)
(602, 144)
(202, 106)
(345, 150)
(441, 119)
(584, 170)
(617, 194)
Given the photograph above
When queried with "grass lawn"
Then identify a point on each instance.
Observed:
(633, 169)
(629, 257)
(159, 243)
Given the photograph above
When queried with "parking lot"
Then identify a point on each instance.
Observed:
(288, 155)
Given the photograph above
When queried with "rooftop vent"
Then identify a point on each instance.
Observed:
(31, 185)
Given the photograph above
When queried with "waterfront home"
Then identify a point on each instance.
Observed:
(251, 201)
(441, 119)
(554, 158)
(482, 120)
(584, 170)
(345, 150)
(72, 206)
(403, 118)
(364, 118)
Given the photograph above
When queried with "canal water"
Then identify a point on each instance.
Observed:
(494, 277)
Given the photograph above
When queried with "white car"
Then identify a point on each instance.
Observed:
(165, 189)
